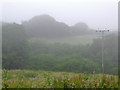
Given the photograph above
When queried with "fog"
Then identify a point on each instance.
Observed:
(95, 13)
(56, 44)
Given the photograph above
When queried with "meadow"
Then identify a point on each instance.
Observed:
(73, 40)
(49, 79)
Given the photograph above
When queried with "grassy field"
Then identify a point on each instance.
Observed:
(48, 79)
(74, 40)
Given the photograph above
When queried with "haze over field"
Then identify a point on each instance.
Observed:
(54, 44)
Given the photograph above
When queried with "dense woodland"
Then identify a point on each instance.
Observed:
(20, 53)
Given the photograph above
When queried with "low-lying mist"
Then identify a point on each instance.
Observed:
(42, 43)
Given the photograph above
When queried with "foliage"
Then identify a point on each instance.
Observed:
(14, 46)
(21, 53)
(46, 79)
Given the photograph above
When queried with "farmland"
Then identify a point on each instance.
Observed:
(49, 79)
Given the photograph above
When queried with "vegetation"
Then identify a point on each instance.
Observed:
(48, 79)
(44, 53)
(73, 40)
(21, 53)
(14, 42)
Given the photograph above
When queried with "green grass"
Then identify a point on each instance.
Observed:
(74, 40)
(49, 79)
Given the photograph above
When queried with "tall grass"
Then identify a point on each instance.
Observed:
(47, 79)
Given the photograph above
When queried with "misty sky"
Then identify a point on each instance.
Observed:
(95, 13)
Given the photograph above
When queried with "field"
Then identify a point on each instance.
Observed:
(49, 79)
(74, 40)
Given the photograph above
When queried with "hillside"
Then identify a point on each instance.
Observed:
(70, 54)
(47, 27)
(48, 79)
(73, 40)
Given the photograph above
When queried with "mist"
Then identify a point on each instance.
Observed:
(57, 44)
(97, 14)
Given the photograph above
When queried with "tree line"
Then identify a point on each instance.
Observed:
(19, 53)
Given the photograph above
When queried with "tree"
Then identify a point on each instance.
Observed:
(14, 46)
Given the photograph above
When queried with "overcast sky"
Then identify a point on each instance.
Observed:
(95, 13)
